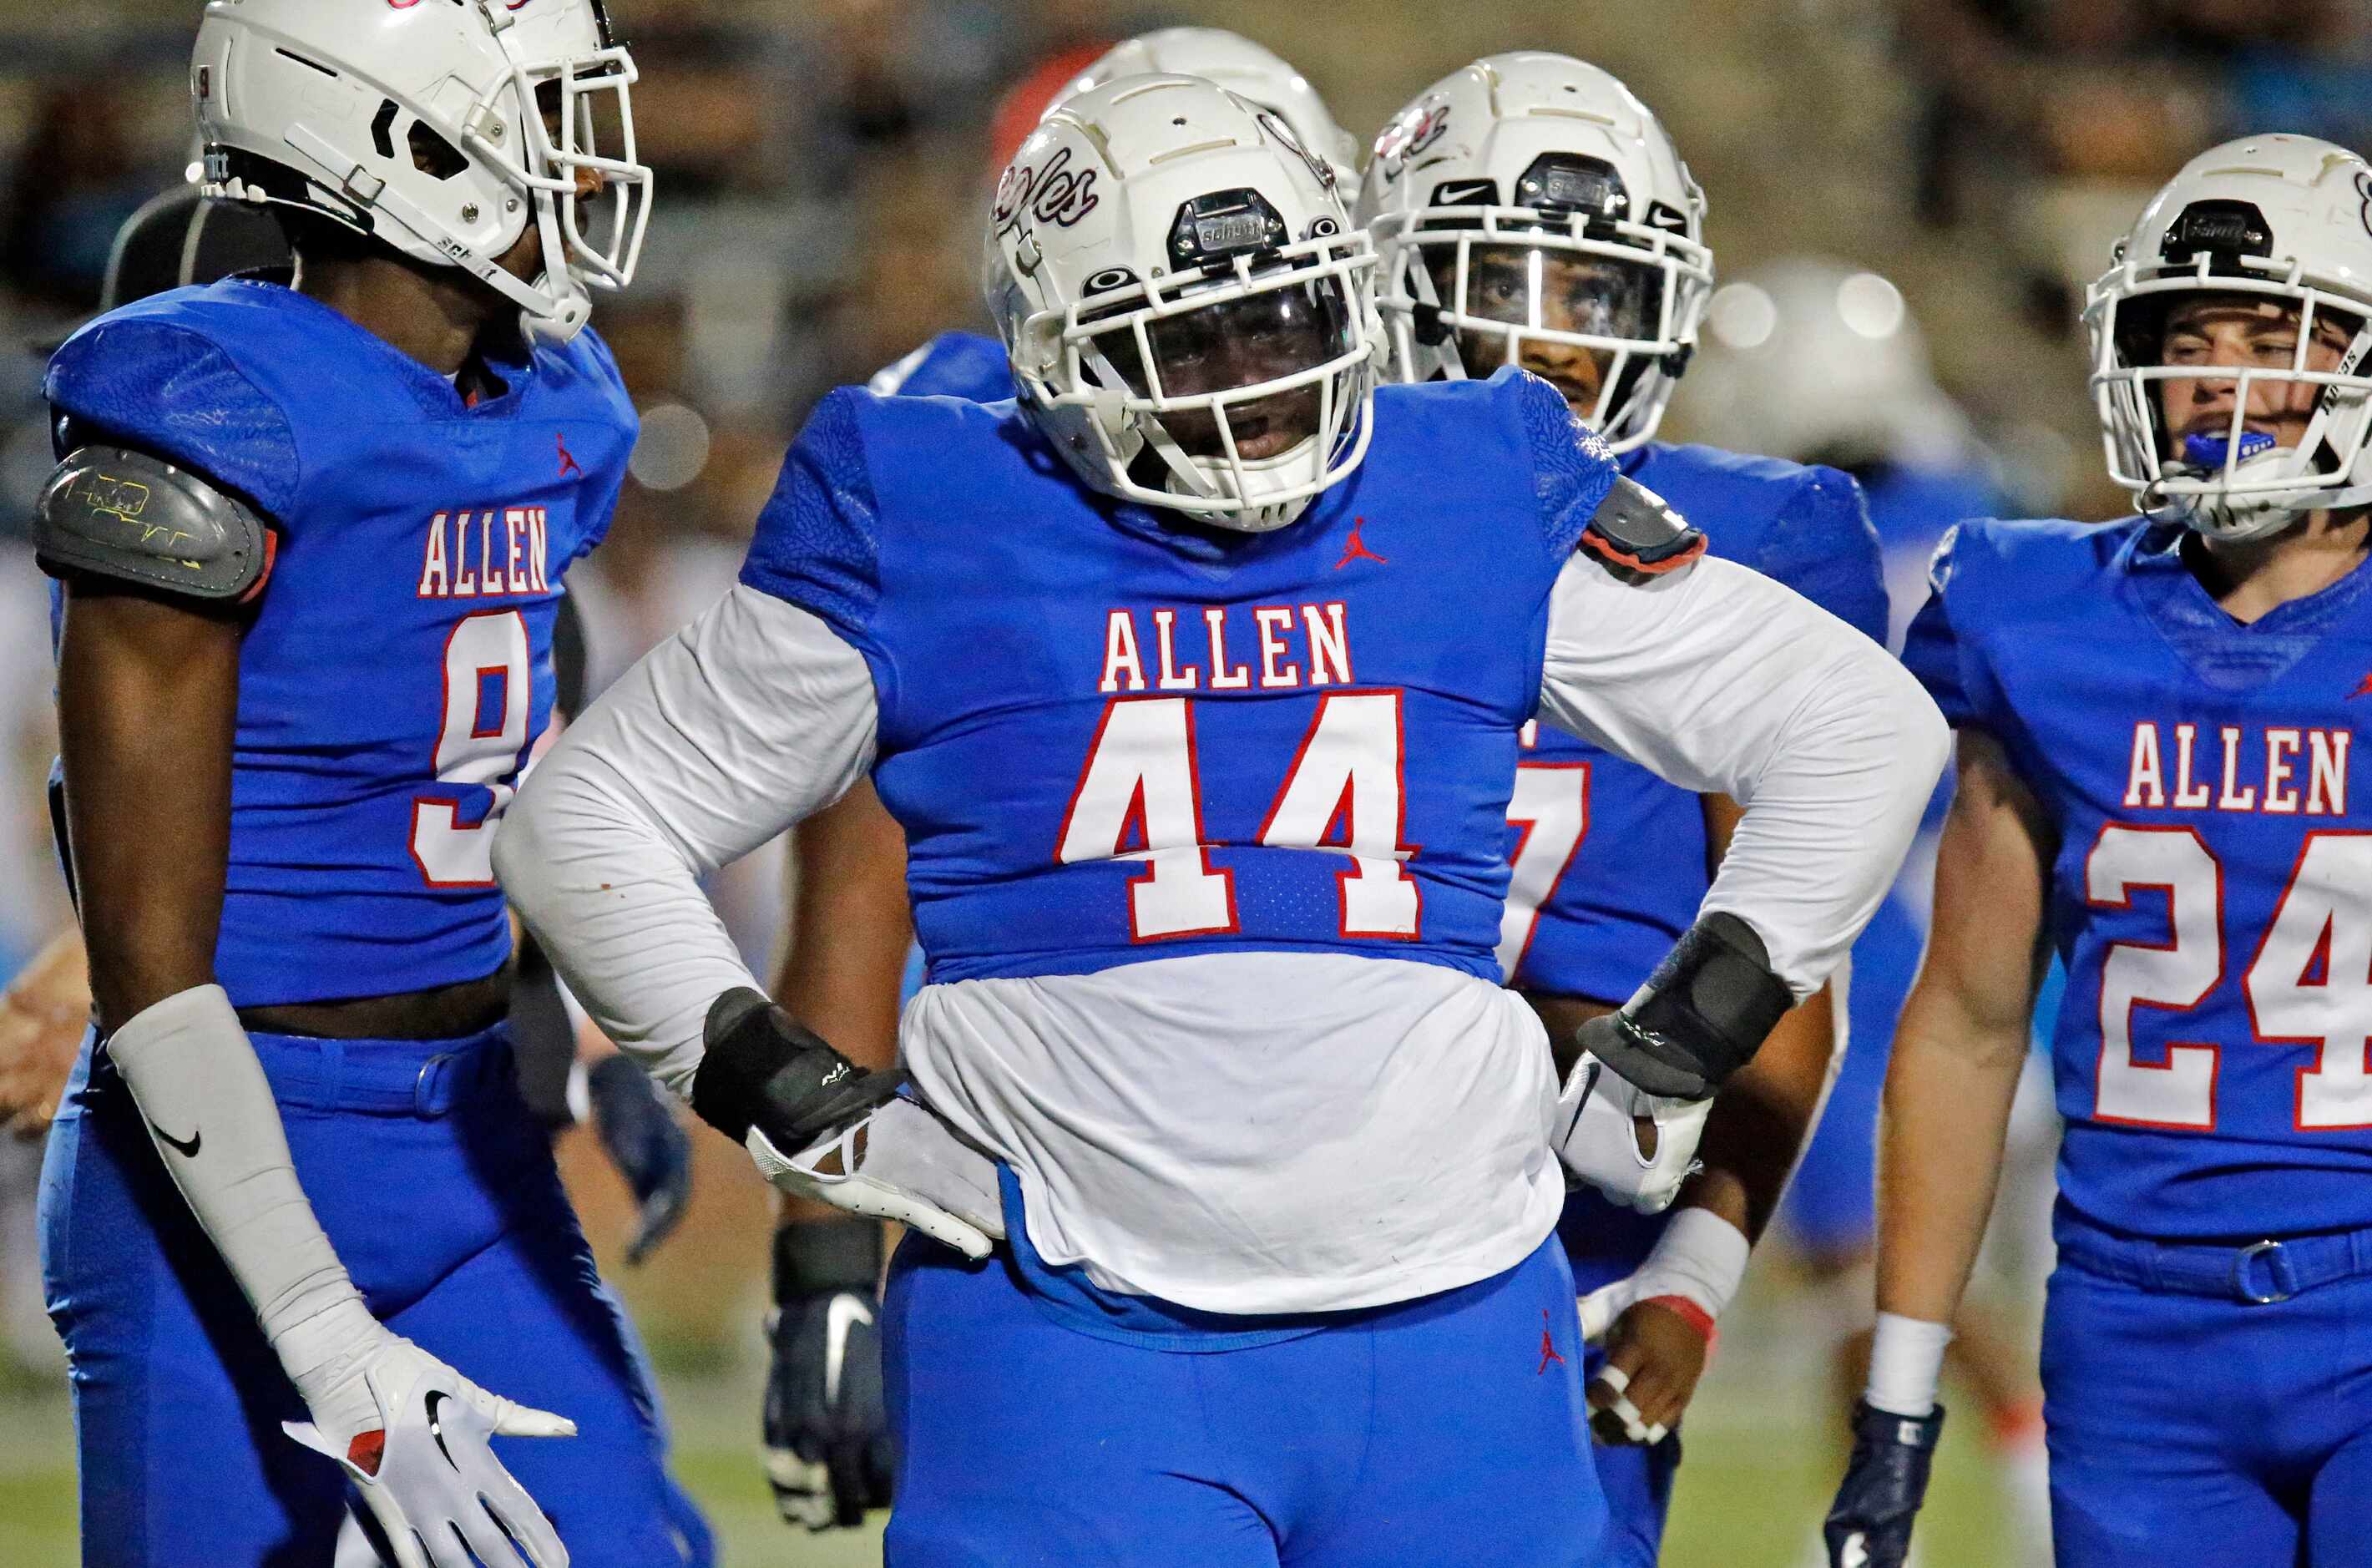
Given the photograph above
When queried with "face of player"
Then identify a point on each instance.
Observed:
(2239, 331)
(1261, 337)
(1588, 296)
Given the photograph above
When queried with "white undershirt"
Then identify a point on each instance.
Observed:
(1255, 1131)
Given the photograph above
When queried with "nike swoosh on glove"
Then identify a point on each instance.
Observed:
(1886, 1480)
(1599, 1115)
(900, 1162)
(819, 1126)
(827, 1422)
(425, 1469)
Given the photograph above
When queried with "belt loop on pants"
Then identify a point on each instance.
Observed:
(2277, 1271)
(432, 1091)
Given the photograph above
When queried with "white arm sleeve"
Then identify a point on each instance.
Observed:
(754, 716)
(1718, 679)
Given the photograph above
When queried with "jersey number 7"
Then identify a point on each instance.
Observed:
(1138, 797)
(2309, 983)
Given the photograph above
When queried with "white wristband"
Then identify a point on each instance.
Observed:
(1701, 1257)
(1906, 1362)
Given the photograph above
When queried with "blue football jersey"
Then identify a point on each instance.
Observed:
(2210, 889)
(399, 664)
(1610, 860)
(1112, 737)
(953, 365)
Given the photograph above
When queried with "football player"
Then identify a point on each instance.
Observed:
(847, 962)
(310, 534)
(1822, 362)
(1206, 814)
(2156, 780)
(1529, 209)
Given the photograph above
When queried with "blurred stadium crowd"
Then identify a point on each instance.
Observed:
(1963, 164)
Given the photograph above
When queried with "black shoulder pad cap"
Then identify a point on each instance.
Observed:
(1635, 536)
(114, 513)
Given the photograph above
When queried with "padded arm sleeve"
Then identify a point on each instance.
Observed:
(1719, 680)
(754, 716)
(211, 1115)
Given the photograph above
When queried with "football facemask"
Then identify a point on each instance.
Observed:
(2237, 465)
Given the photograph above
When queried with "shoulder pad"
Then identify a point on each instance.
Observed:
(1635, 536)
(114, 513)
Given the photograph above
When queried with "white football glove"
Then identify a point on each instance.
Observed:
(1597, 1137)
(417, 1454)
(899, 1162)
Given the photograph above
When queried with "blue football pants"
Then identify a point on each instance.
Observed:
(439, 1193)
(2190, 1430)
(1445, 1430)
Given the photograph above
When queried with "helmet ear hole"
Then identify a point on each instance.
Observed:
(432, 154)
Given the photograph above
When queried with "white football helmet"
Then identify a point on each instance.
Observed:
(1500, 170)
(1815, 361)
(2281, 219)
(419, 122)
(1189, 313)
(1244, 68)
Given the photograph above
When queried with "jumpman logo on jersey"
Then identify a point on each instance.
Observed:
(567, 463)
(2364, 689)
(1548, 1344)
(1357, 549)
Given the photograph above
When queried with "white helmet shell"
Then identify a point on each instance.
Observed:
(417, 122)
(1542, 154)
(2286, 219)
(1134, 209)
(1252, 73)
(1814, 360)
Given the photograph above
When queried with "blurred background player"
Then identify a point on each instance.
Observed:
(2155, 780)
(266, 489)
(1818, 362)
(850, 960)
(1207, 938)
(1529, 209)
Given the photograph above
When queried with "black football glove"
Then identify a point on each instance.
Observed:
(647, 1144)
(1869, 1524)
(827, 1425)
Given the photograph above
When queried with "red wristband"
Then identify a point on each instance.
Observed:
(1689, 1312)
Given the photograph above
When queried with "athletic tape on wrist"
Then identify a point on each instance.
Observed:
(1906, 1363)
(1700, 1257)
